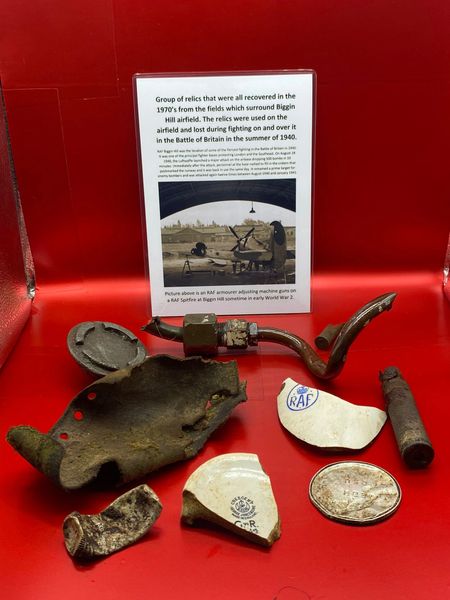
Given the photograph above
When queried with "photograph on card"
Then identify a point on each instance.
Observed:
(228, 232)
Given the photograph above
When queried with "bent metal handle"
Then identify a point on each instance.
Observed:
(202, 334)
(350, 330)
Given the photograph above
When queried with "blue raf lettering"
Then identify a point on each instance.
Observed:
(301, 397)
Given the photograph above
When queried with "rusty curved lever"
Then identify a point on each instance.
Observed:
(347, 335)
(202, 334)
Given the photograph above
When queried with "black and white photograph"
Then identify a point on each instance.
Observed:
(228, 232)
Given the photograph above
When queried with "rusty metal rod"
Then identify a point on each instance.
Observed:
(164, 330)
(412, 439)
(321, 369)
(347, 335)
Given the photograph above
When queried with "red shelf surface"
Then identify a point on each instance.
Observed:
(315, 558)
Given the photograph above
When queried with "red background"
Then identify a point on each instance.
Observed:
(381, 222)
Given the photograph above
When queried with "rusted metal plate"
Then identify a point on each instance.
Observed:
(101, 347)
(354, 492)
(134, 421)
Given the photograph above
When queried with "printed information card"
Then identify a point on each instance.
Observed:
(226, 167)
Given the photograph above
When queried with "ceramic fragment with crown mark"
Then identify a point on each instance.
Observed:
(326, 421)
(233, 491)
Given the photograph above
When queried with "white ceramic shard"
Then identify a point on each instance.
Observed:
(233, 491)
(326, 421)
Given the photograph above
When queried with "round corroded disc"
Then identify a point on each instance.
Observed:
(101, 347)
(355, 492)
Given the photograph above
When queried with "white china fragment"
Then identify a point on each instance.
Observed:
(326, 421)
(233, 491)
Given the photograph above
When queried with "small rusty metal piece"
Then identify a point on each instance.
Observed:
(325, 339)
(101, 347)
(134, 421)
(122, 523)
(236, 334)
(355, 493)
(412, 439)
(202, 333)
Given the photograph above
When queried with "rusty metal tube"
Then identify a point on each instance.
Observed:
(164, 330)
(326, 338)
(348, 333)
(321, 369)
(412, 439)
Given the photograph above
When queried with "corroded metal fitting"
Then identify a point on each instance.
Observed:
(101, 347)
(238, 333)
(202, 334)
(412, 439)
